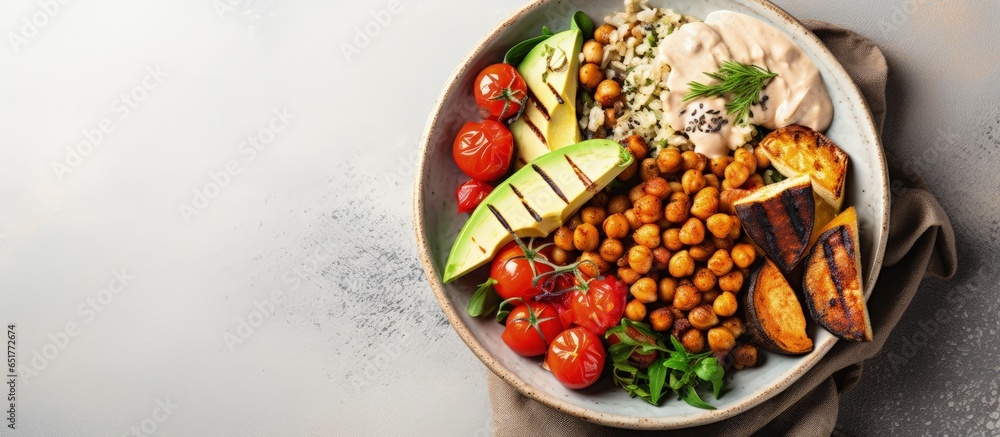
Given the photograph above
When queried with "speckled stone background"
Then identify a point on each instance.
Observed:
(178, 278)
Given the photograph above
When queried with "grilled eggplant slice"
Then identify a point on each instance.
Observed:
(832, 281)
(779, 218)
(775, 319)
(795, 150)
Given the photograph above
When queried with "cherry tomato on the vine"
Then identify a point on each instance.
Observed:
(500, 92)
(601, 306)
(513, 274)
(530, 328)
(470, 194)
(576, 358)
(483, 150)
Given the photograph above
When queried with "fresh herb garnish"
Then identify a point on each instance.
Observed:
(485, 300)
(517, 53)
(675, 369)
(743, 82)
(582, 23)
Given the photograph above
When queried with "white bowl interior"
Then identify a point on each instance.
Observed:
(439, 224)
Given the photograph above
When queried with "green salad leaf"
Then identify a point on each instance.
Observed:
(582, 23)
(485, 300)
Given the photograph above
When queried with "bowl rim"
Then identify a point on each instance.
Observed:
(763, 393)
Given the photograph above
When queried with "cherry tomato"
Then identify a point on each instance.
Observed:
(530, 329)
(513, 273)
(483, 150)
(500, 92)
(601, 306)
(470, 194)
(576, 358)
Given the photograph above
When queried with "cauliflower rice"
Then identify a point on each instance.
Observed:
(631, 59)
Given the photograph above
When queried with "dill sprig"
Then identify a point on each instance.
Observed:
(743, 82)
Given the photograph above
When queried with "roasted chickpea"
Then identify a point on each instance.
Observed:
(745, 157)
(681, 264)
(703, 317)
(648, 208)
(607, 92)
(720, 340)
(586, 237)
(563, 238)
(717, 224)
(574, 221)
(754, 181)
(676, 187)
(686, 297)
(661, 319)
(762, 160)
(706, 203)
(745, 355)
(590, 75)
(595, 266)
(693, 340)
(633, 219)
(561, 257)
(629, 172)
(722, 243)
(692, 232)
(712, 181)
(610, 118)
(647, 235)
(671, 239)
(693, 181)
(691, 160)
(734, 325)
(669, 160)
(593, 215)
(743, 255)
(603, 33)
(618, 204)
(727, 197)
(720, 263)
(737, 227)
(661, 258)
(600, 199)
(718, 165)
(736, 174)
(611, 249)
(732, 281)
(704, 279)
(678, 210)
(593, 52)
(710, 296)
(657, 186)
(628, 276)
(725, 304)
(644, 290)
(640, 259)
(648, 170)
(636, 192)
(637, 146)
(702, 252)
(635, 311)
(615, 226)
(667, 288)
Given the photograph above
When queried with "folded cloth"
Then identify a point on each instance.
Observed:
(921, 242)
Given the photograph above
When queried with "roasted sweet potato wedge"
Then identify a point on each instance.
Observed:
(832, 281)
(795, 150)
(775, 319)
(780, 218)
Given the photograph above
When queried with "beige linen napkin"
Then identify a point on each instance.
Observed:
(921, 242)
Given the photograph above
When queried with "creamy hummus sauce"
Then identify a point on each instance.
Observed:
(796, 96)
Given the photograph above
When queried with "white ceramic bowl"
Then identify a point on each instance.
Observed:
(437, 222)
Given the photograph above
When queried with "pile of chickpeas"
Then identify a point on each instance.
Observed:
(676, 241)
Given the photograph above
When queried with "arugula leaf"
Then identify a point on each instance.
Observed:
(657, 377)
(485, 300)
(582, 23)
(692, 398)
